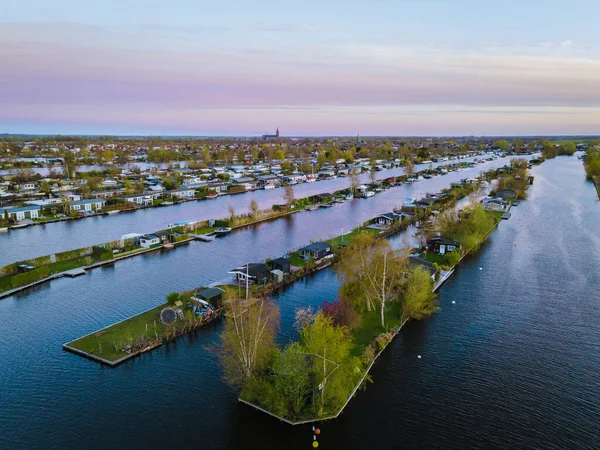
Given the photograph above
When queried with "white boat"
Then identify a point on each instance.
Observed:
(222, 231)
(312, 208)
(369, 194)
(310, 180)
(349, 197)
(166, 204)
(114, 211)
(269, 186)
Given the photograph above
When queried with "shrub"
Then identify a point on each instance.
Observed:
(30, 277)
(342, 313)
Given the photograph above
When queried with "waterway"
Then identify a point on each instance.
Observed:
(514, 364)
(39, 240)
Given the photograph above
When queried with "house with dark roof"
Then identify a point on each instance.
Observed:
(211, 295)
(416, 261)
(282, 264)
(427, 202)
(441, 244)
(252, 273)
(506, 193)
(387, 218)
(315, 251)
(318, 198)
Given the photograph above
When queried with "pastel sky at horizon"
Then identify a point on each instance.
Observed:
(312, 67)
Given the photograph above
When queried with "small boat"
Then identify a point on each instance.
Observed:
(269, 186)
(369, 194)
(338, 200)
(349, 197)
(312, 208)
(223, 231)
(166, 204)
(310, 180)
(211, 196)
(326, 205)
(114, 211)
(378, 189)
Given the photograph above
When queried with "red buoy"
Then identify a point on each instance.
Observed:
(317, 431)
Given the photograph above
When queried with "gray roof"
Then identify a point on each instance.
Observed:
(21, 208)
(317, 246)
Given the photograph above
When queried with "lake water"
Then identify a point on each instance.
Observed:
(514, 364)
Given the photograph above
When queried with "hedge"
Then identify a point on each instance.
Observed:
(30, 277)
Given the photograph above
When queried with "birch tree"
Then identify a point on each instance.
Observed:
(371, 273)
(354, 180)
(248, 340)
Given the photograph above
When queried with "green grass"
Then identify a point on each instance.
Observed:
(348, 238)
(435, 258)
(295, 260)
(122, 334)
(370, 326)
(5, 283)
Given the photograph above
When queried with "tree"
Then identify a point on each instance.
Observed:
(567, 148)
(45, 187)
(372, 272)
(288, 195)
(253, 207)
(291, 378)
(372, 175)
(502, 144)
(279, 155)
(341, 313)
(66, 204)
(248, 339)
(231, 210)
(332, 367)
(409, 167)
(241, 155)
(419, 298)
(354, 180)
(108, 156)
(172, 298)
(206, 159)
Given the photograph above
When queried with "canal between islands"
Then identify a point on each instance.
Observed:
(513, 364)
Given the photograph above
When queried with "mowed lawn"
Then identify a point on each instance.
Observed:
(102, 343)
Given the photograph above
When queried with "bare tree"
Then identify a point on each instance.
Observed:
(248, 340)
(253, 207)
(354, 179)
(231, 210)
(288, 195)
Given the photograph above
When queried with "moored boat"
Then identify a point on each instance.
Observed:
(223, 231)
(211, 196)
(369, 194)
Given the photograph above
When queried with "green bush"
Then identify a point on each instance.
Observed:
(30, 277)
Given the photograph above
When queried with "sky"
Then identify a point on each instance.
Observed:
(310, 67)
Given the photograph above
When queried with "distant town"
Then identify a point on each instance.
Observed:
(49, 178)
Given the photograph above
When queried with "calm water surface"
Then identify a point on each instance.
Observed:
(514, 364)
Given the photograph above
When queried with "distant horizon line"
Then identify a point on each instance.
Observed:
(532, 136)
